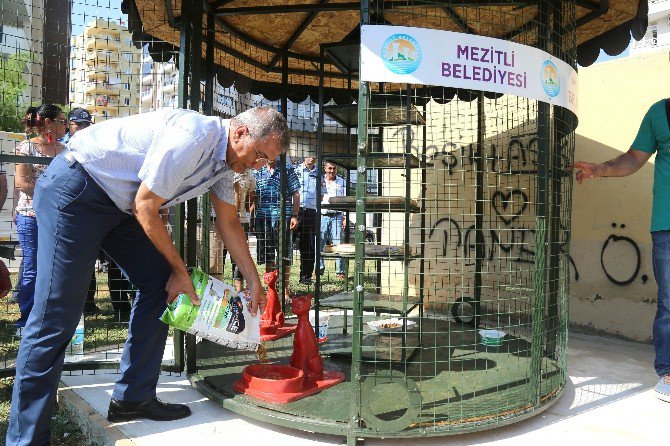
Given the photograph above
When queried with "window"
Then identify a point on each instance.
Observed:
(304, 111)
(654, 33)
(126, 101)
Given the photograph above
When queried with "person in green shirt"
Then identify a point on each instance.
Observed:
(652, 137)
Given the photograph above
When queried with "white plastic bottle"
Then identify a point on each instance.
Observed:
(75, 350)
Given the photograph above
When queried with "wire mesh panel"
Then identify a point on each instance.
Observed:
(472, 241)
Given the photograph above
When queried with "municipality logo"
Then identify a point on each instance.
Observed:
(401, 53)
(550, 80)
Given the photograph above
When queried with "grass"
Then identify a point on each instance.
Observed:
(101, 331)
(64, 432)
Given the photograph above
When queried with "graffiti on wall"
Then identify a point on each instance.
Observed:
(620, 256)
(516, 156)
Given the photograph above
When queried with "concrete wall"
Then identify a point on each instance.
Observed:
(611, 217)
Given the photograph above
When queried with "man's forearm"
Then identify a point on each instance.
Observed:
(153, 226)
(235, 241)
(621, 166)
(296, 203)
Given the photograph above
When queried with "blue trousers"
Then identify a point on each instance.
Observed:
(331, 229)
(661, 331)
(77, 218)
(26, 227)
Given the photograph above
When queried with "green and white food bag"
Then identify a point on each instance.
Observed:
(223, 317)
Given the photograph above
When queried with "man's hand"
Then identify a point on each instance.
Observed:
(293, 224)
(587, 170)
(258, 299)
(180, 283)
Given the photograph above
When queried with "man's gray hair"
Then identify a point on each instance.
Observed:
(263, 122)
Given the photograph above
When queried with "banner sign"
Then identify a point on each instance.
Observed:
(423, 56)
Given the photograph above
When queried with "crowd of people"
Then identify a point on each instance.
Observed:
(258, 200)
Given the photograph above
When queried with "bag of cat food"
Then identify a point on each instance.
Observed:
(224, 315)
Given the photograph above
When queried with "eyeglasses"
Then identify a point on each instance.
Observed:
(261, 156)
(62, 121)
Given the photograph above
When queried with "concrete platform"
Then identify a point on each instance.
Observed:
(609, 400)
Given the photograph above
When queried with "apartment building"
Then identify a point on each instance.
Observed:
(658, 32)
(159, 89)
(105, 71)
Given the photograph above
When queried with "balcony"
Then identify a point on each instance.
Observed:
(103, 88)
(645, 43)
(102, 26)
(100, 72)
(658, 6)
(147, 96)
(105, 57)
(102, 42)
(169, 87)
(101, 102)
(169, 67)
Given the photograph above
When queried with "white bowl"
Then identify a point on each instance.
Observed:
(390, 325)
(493, 338)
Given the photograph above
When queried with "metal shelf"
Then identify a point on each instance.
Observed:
(383, 111)
(379, 303)
(374, 160)
(372, 204)
(394, 257)
(345, 56)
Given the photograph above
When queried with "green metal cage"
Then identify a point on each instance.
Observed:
(451, 314)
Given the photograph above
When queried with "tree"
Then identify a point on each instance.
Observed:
(13, 86)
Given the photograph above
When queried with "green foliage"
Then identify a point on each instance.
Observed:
(13, 86)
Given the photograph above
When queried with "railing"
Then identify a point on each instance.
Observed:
(646, 43)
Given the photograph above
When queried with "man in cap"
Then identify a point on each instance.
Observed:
(106, 192)
(78, 119)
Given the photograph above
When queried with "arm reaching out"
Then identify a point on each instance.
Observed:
(621, 166)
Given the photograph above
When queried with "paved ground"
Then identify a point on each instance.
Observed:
(608, 401)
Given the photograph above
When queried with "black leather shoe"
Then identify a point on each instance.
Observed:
(153, 409)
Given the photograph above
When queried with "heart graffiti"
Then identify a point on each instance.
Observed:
(509, 206)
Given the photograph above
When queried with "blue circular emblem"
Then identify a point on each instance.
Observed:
(551, 82)
(401, 53)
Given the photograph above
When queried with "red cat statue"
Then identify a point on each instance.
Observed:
(305, 355)
(272, 311)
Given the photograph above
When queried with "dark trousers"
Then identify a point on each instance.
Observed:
(120, 289)
(237, 274)
(307, 241)
(77, 219)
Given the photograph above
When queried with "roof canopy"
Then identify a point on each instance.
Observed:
(253, 35)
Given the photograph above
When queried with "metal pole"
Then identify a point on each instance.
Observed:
(359, 262)
(543, 147)
(479, 209)
(319, 172)
(554, 211)
(192, 204)
(208, 109)
(283, 228)
(178, 218)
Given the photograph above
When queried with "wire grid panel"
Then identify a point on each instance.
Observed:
(481, 331)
